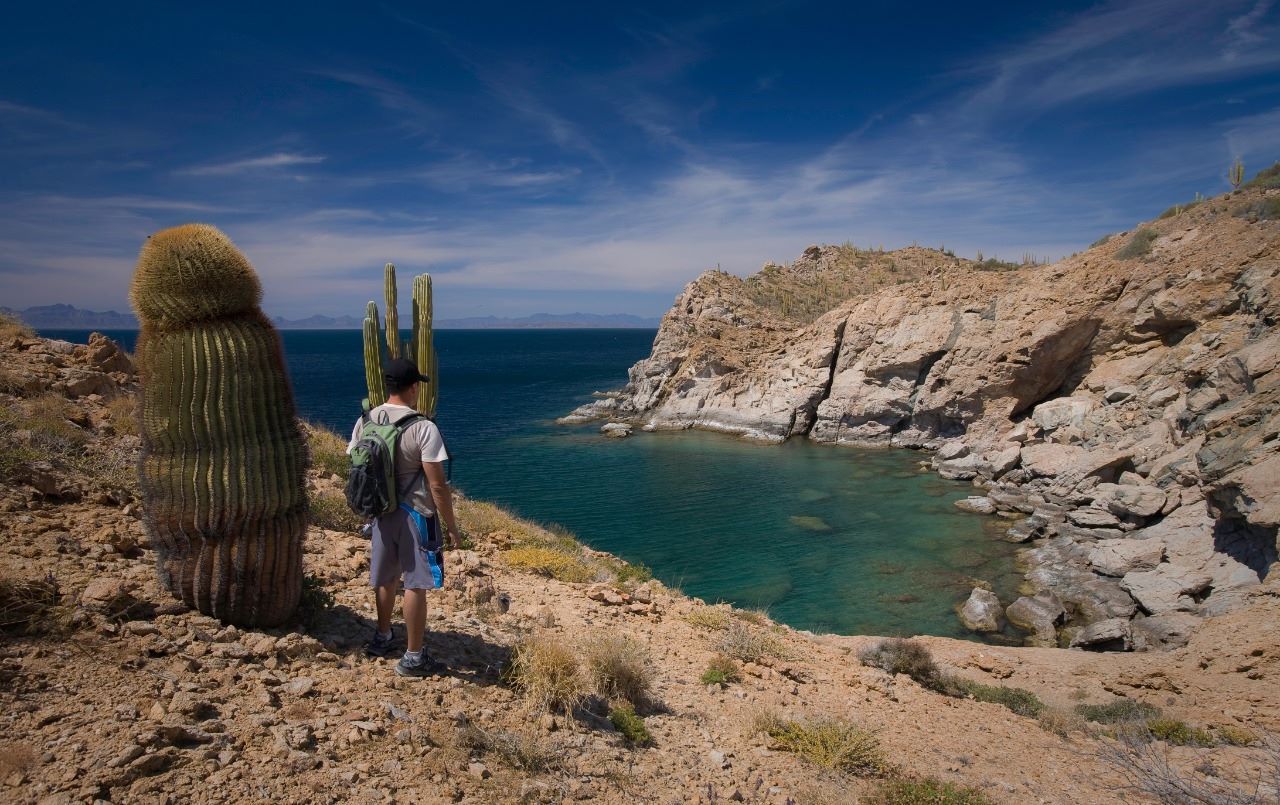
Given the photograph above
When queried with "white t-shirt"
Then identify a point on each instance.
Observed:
(419, 444)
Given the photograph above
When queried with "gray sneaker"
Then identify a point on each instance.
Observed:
(380, 646)
(422, 668)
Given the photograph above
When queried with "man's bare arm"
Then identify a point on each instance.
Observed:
(442, 494)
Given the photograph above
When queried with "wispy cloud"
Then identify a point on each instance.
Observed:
(274, 161)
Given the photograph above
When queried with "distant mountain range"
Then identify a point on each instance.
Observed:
(67, 317)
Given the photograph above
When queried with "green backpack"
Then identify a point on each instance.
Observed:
(371, 487)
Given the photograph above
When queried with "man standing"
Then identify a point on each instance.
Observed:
(407, 544)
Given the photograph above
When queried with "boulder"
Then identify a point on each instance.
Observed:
(1117, 557)
(1130, 500)
(1039, 615)
(952, 450)
(1093, 518)
(1062, 412)
(1163, 632)
(982, 612)
(1167, 588)
(110, 596)
(1120, 394)
(83, 382)
(1110, 635)
(617, 430)
(1071, 462)
(1026, 529)
(978, 504)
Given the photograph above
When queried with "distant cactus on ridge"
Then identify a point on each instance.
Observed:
(223, 457)
(1236, 174)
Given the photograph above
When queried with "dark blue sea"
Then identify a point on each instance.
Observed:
(824, 538)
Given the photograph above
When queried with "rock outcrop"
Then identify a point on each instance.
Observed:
(1111, 401)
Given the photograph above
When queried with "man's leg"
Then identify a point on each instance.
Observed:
(385, 598)
(415, 617)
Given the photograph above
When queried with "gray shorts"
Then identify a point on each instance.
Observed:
(406, 544)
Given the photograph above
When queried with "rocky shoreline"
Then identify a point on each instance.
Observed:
(1121, 406)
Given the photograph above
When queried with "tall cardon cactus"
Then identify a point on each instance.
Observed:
(223, 458)
(420, 348)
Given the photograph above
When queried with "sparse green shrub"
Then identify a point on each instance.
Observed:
(547, 673)
(829, 743)
(619, 667)
(1139, 245)
(926, 791)
(1100, 241)
(722, 670)
(1119, 711)
(1062, 722)
(314, 602)
(1267, 209)
(755, 617)
(1179, 733)
(900, 656)
(627, 574)
(1020, 701)
(1236, 736)
(714, 618)
(1178, 209)
(749, 644)
(624, 718)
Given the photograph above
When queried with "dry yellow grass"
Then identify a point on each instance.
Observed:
(619, 667)
(122, 411)
(328, 450)
(547, 673)
(714, 618)
(751, 644)
(550, 562)
(11, 328)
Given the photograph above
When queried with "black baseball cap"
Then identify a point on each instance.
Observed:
(401, 373)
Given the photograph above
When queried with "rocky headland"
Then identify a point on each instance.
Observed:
(1120, 406)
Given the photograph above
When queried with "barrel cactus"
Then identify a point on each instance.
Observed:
(420, 348)
(223, 457)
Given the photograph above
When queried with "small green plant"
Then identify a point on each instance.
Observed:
(624, 718)
(829, 743)
(926, 791)
(628, 574)
(722, 670)
(1267, 209)
(1139, 245)
(315, 601)
(1178, 209)
(1179, 733)
(1100, 241)
(1120, 711)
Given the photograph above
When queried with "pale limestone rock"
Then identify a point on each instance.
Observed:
(1116, 557)
(982, 611)
(1167, 588)
(1063, 412)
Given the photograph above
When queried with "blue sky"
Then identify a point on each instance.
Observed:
(595, 157)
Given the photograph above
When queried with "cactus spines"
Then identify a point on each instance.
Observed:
(373, 358)
(223, 458)
(393, 312)
(424, 349)
(1236, 174)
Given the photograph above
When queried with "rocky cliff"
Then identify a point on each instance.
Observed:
(1123, 404)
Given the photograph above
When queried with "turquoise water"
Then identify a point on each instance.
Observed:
(829, 539)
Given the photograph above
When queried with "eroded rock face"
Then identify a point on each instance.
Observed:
(1109, 400)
